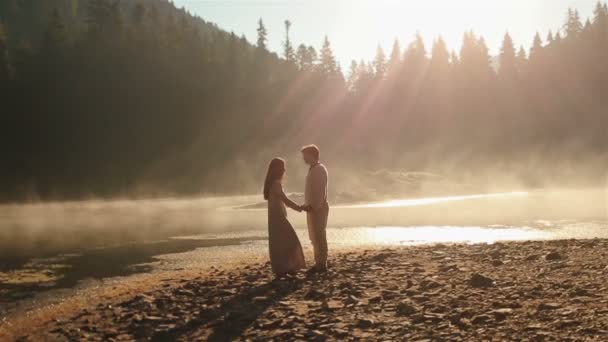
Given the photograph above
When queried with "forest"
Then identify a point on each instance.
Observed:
(102, 98)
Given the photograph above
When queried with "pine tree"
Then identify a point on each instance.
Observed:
(380, 63)
(600, 23)
(588, 27)
(485, 61)
(262, 35)
(104, 19)
(365, 76)
(312, 55)
(550, 38)
(467, 50)
(537, 48)
(454, 58)
(353, 76)
(600, 14)
(416, 51)
(573, 26)
(475, 61)
(55, 36)
(558, 38)
(440, 56)
(507, 58)
(395, 59)
(138, 15)
(288, 52)
(302, 57)
(328, 66)
(4, 66)
(522, 61)
(414, 60)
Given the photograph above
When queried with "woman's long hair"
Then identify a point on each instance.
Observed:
(276, 170)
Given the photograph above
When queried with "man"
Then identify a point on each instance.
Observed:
(316, 205)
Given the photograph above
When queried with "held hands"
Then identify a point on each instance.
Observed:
(306, 207)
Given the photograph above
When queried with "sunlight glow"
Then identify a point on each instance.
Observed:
(421, 235)
(389, 19)
(433, 200)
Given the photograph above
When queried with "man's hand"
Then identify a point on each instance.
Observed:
(307, 208)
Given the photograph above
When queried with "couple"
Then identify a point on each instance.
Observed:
(286, 256)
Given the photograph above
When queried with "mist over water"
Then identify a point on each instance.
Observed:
(48, 246)
(49, 228)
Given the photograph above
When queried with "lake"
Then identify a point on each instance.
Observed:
(55, 246)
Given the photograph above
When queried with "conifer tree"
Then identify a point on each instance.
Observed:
(522, 61)
(380, 63)
(303, 57)
(537, 47)
(262, 35)
(288, 52)
(507, 58)
(600, 23)
(394, 59)
(4, 65)
(440, 57)
(573, 26)
(353, 76)
(313, 57)
(55, 35)
(454, 58)
(550, 38)
(414, 61)
(416, 52)
(328, 65)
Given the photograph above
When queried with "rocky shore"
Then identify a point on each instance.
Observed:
(541, 291)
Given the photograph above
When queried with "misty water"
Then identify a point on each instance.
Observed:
(59, 245)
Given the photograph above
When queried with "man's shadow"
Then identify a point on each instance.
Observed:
(234, 316)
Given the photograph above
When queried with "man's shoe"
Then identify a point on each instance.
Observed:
(316, 269)
(312, 270)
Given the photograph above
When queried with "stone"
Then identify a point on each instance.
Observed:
(448, 267)
(548, 306)
(429, 284)
(334, 305)
(532, 257)
(365, 323)
(502, 314)
(405, 309)
(553, 256)
(375, 299)
(313, 294)
(480, 281)
(481, 319)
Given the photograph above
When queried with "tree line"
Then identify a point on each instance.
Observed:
(108, 97)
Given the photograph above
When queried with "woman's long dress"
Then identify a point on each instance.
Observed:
(285, 250)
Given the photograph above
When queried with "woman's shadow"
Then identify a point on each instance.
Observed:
(234, 316)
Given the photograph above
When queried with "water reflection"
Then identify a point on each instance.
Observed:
(421, 235)
(432, 200)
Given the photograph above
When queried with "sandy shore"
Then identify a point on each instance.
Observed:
(555, 290)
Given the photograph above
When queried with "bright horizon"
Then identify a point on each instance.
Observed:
(356, 28)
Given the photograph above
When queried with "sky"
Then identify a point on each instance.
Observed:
(356, 27)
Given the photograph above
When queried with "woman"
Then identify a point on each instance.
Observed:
(286, 256)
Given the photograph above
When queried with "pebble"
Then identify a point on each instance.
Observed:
(553, 256)
(478, 280)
